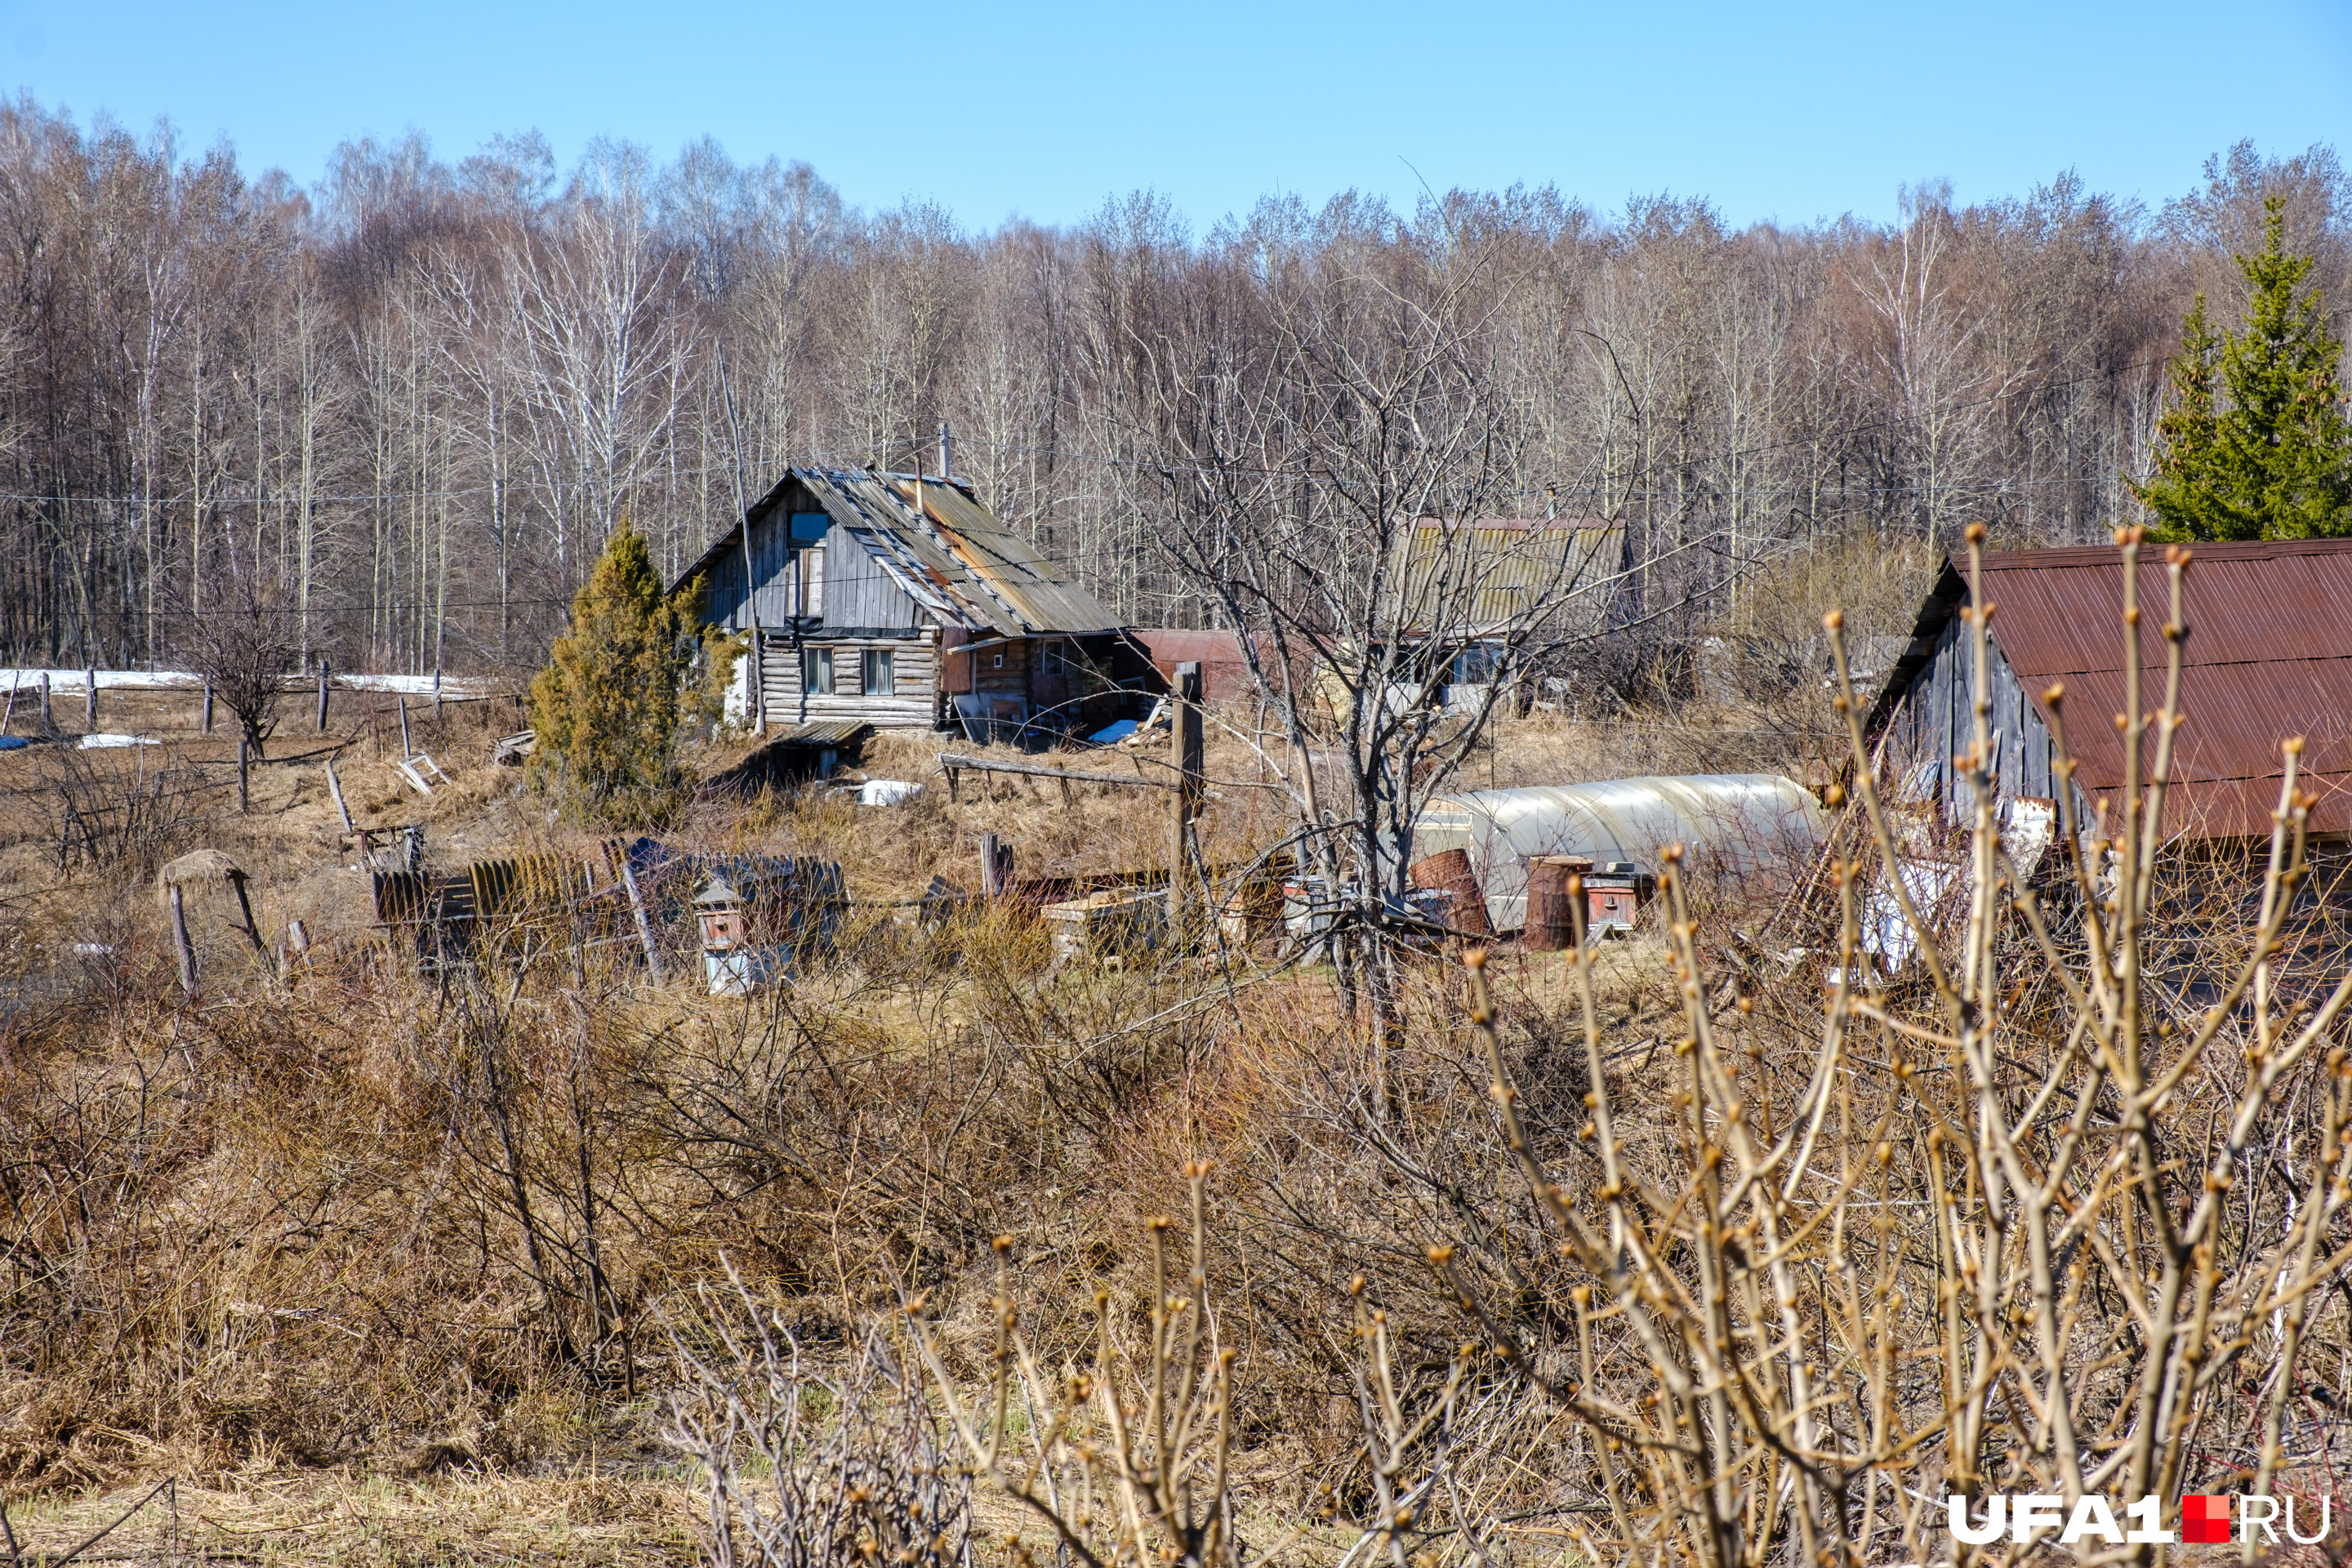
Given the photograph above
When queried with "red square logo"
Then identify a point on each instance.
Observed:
(2205, 1520)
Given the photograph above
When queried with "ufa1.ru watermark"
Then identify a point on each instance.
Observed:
(2205, 1520)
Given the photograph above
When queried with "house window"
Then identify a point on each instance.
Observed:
(816, 671)
(1478, 664)
(880, 680)
(1000, 660)
(808, 528)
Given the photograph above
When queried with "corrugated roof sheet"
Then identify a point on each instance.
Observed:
(2268, 655)
(1493, 571)
(952, 554)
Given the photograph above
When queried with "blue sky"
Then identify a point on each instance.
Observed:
(1785, 112)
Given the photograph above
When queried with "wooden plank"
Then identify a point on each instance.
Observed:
(955, 762)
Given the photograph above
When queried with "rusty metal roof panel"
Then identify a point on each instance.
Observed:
(2268, 655)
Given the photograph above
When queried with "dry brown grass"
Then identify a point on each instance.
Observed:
(275, 1516)
(383, 1267)
(279, 1236)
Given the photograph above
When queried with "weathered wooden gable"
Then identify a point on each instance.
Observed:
(861, 594)
(1936, 722)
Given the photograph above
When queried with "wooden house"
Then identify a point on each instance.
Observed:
(2269, 657)
(899, 600)
(1473, 600)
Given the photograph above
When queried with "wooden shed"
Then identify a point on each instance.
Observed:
(2268, 655)
(899, 600)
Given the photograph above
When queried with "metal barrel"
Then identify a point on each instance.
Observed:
(1448, 871)
(1551, 903)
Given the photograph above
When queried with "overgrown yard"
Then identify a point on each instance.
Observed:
(949, 1241)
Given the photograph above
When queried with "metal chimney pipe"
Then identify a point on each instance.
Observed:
(947, 451)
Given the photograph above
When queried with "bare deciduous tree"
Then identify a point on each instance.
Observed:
(245, 644)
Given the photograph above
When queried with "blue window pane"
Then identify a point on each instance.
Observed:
(808, 528)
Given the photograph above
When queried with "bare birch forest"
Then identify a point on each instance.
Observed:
(410, 402)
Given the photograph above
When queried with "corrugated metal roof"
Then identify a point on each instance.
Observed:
(952, 554)
(1469, 576)
(2268, 655)
(1006, 563)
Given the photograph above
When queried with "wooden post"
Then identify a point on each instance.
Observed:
(187, 950)
(48, 720)
(995, 867)
(208, 704)
(1185, 750)
(10, 712)
(89, 698)
(244, 769)
(645, 926)
(335, 788)
(406, 750)
(322, 694)
(298, 940)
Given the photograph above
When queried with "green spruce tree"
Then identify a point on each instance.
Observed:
(2267, 453)
(618, 693)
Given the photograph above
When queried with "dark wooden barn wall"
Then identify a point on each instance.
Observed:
(1937, 723)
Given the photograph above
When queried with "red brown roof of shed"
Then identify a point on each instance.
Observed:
(2268, 655)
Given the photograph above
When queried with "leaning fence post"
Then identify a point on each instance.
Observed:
(243, 765)
(10, 712)
(179, 941)
(322, 694)
(89, 698)
(335, 788)
(406, 749)
(48, 720)
(645, 926)
(208, 704)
